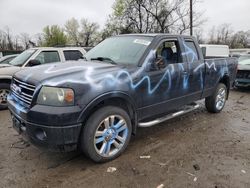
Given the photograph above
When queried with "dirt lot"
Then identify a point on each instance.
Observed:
(197, 150)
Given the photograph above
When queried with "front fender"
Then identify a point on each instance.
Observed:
(106, 96)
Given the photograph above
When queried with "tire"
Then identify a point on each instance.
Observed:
(102, 142)
(217, 101)
(4, 91)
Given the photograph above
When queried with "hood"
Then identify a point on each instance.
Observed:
(67, 71)
(8, 70)
(244, 65)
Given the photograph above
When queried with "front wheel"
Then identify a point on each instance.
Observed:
(217, 101)
(4, 91)
(106, 134)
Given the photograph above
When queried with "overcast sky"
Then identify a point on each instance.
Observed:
(31, 16)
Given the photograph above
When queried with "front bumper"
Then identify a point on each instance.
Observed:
(242, 82)
(44, 128)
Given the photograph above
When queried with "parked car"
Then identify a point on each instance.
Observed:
(6, 59)
(30, 58)
(240, 51)
(126, 82)
(243, 73)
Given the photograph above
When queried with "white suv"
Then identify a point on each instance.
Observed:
(34, 57)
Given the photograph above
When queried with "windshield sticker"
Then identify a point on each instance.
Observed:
(141, 41)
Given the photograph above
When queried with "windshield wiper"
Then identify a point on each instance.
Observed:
(106, 59)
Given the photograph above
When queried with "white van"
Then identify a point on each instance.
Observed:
(215, 51)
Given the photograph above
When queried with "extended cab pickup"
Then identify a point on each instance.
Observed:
(125, 82)
(33, 57)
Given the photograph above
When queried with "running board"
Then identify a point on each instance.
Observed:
(185, 110)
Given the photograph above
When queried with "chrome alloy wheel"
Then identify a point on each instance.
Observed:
(110, 136)
(221, 98)
(3, 96)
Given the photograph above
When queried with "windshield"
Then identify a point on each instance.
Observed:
(244, 57)
(120, 50)
(6, 59)
(22, 58)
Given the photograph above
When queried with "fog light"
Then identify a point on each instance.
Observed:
(41, 134)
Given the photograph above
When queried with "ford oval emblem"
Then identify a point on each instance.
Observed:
(16, 89)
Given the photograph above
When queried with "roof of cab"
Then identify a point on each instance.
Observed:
(50, 48)
(155, 35)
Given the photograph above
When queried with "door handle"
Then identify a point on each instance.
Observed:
(185, 73)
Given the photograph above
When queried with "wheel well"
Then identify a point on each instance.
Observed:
(118, 102)
(225, 80)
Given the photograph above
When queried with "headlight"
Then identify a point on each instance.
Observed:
(52, 96)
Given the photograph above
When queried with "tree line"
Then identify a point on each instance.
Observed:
(224, 34)
(128, 16)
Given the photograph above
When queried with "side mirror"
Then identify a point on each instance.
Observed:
(158, 64)
(34, 62)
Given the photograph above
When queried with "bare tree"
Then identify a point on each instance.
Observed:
(72, 29)
(182, 25)
(8, 41)
(3, 40)
(239, 40)
(38, 39)
(164, 16)
(198, 33)
(89, 32)
(25, 40)
(224, 34)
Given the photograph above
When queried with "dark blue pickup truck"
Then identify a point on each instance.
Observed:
(125, 82)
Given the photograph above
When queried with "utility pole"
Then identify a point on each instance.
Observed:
(191, 17)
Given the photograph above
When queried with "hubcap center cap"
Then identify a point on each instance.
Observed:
(110, 135)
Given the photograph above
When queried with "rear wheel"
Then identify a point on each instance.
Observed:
(4, 91)
(106, 134)
(217, 101)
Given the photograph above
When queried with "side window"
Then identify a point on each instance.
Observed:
(72, 55)
(48, 57)
(191, 51)
(169, 51)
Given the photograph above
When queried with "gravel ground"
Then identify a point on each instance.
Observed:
(198, 150)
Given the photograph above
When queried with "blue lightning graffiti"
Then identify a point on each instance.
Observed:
(151, 90)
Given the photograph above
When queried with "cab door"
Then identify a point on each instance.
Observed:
(165, 81)
(196, 70)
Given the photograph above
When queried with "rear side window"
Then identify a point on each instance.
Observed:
(48, 57)
(191, 51)
(72, 55)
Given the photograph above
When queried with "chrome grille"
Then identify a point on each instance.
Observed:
(22, 91)
(244, 74)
